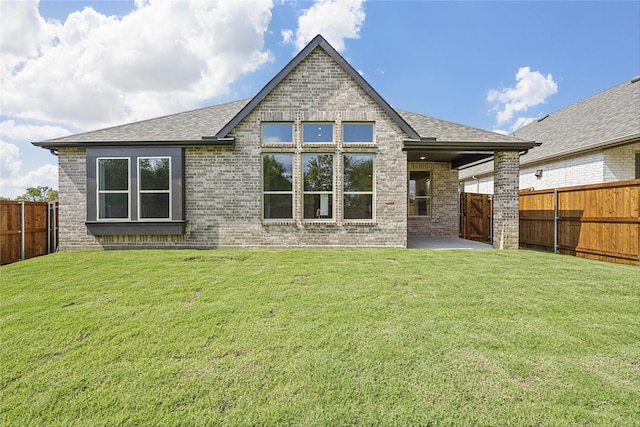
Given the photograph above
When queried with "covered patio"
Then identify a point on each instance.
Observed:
(443, 243)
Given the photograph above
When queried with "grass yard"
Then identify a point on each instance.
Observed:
(319, 338)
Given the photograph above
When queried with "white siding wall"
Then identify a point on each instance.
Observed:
(576, 170)
(620, 163)
(483, 185)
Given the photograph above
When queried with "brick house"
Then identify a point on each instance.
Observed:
(592, 141)
(316, 158)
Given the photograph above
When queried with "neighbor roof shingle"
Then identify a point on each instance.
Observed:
(607, 118)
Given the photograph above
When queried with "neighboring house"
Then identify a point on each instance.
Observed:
(316, 158)
(593, 141)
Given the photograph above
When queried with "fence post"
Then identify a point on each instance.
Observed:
(49, 227)
(55, 226)
(490, 217)
(555, 220)
(22, 231)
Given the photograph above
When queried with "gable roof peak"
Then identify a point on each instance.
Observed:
(318, 42)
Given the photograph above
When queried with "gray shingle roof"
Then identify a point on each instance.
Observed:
(608, 118)
(193, 125)
(445, 131)
(186, 126)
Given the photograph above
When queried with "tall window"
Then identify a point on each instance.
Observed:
(277, 181)
(154, 187)
(317, 133)
(277, 133)
(357, 133)
(358, 186)
(113, 188)
(317, 191)
(419, 193)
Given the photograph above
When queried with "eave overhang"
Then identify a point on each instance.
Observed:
(205, 141)
(459, 153)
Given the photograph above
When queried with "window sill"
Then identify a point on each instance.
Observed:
(133, 228)
(278, 222)
(351, 222)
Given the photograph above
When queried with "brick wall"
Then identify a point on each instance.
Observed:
(72, 189)
(223, 187)
(505, 200)
(445, 202)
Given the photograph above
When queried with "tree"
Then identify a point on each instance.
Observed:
(38, 194)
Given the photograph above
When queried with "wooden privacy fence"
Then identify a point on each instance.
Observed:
(598, 221)
(27, 230)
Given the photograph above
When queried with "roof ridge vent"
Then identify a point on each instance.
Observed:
(542, 118)
(635, 79)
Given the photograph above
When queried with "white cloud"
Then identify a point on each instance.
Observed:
(335, 20)
(9, 129)
(94, 70)
(287, 36)
(13, 181)
(532, 88)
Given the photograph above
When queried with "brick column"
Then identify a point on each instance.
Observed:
(506, 226)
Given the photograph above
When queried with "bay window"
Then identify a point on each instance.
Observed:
(135, 190)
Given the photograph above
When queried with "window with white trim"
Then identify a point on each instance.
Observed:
(317, 187)
(277, 186)
(419, 203)
(154, 188)
(357, 186)
(113, 188)
(135, 191)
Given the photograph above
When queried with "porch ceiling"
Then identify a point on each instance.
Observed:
(457, 158)
(459, 153)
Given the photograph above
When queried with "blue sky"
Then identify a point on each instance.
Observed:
(73, 66)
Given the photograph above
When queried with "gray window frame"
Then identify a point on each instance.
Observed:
(174, 225)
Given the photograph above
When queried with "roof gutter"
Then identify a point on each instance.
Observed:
(206, 141)
(431, 144)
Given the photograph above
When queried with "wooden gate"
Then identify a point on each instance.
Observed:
(27, 230)
(475, 216)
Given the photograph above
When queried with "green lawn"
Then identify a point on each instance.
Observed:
(319, 338)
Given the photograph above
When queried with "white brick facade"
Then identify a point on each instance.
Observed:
(608, 165)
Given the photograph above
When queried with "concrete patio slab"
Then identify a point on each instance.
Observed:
(425, 242)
